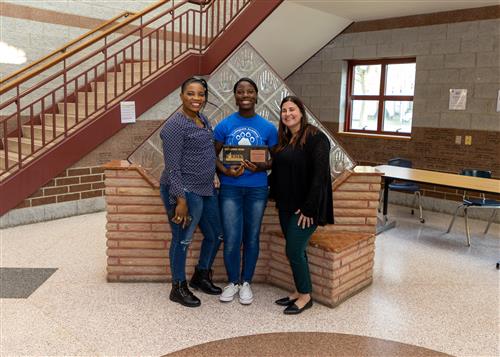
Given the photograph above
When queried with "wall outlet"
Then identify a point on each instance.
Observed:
(458, 139)
(468, 140)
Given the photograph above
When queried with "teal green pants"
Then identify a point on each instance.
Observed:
(297, 240)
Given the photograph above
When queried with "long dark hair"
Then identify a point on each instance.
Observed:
(284, 134)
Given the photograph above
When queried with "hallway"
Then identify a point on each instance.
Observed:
(429, 290)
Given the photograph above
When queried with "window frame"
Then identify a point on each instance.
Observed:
(381, 97)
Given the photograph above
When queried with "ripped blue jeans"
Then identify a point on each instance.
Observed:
(204, 211)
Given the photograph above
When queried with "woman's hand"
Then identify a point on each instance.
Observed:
(254, 167)
(234, 171)
(304, 222)
(216, 181)
(181, 216)
(257, 166)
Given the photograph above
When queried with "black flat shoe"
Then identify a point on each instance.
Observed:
(286, 301)
(294, 309)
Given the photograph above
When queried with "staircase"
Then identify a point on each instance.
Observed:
(54, 113)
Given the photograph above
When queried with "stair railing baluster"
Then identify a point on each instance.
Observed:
(105, 73)
(141, 48)
(18, 105)
(132, 63)
(86, 79)
(149, 54)
(42, 120)
(32, 130)
(65, 99)
(165, 45)
(115, 76)
(5, 145)
(53, 114)
(200, 34)
(157, 48)
(97, 87)
(124, 70)
(172, 36)
(76, 101)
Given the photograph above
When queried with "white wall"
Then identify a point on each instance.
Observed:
(292, 33)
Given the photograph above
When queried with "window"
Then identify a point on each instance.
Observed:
(380, 96)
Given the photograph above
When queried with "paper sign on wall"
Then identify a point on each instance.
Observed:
(498, 101)
(127, 111)
(458, 99)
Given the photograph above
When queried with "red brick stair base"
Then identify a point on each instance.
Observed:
(340, 255)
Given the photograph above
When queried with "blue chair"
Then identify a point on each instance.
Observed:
(405, 186)
(475, 203)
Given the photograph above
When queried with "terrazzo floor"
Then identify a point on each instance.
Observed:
(429, 290)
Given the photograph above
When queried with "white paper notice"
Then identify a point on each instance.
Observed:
(127, 110)
(458, 99)
(498, 101)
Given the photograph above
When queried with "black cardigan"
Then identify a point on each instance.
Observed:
(301, 179)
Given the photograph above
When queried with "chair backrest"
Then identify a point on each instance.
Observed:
(476, 173)
(397, 161)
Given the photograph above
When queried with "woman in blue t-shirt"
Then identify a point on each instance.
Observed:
(243, 190)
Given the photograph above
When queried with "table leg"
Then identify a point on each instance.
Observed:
(385, 224)
(387, 181)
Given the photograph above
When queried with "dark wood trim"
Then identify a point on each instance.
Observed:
(381, 97)
(437, 18)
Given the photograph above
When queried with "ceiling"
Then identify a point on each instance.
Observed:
(363, 10)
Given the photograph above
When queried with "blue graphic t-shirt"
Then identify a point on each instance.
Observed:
(254, 131)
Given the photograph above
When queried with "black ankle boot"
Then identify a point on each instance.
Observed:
(181, 294)
(202, 280)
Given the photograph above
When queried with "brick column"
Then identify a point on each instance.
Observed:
(340, 255)
(138, 234)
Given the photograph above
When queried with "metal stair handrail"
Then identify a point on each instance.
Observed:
(157, 42)
(4, 87)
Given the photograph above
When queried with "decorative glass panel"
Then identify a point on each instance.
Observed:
(244, 62)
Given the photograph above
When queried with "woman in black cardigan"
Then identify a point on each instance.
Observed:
(302, 187)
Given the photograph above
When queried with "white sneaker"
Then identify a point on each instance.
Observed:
(229, 292)
(246, 295)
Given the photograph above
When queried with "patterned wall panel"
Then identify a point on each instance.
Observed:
(244, 62)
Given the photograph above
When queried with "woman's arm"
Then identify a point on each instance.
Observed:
(319, 154)
(173, 141)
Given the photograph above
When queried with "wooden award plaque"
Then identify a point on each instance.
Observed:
(233, 155)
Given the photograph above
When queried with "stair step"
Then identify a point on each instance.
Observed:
(118, 76)
(25, 145)
(137, 66)
(111, 87)
(71, 109)
(59, 120)
(13, 159)
(37, 132)
(91, 97)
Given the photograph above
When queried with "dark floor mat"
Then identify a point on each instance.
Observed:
(20, 283)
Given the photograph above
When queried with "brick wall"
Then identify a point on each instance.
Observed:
(341, 255)
(339, 267)
(70, 185)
